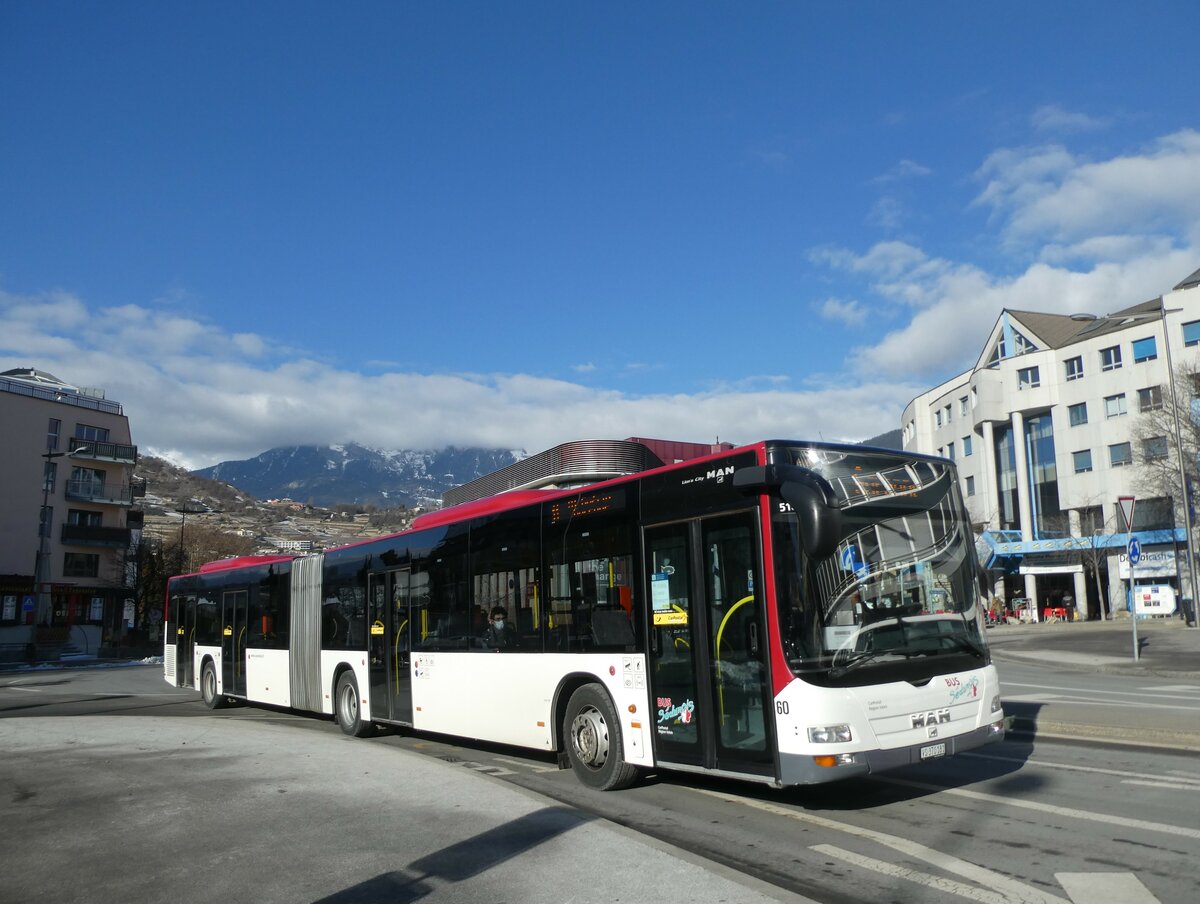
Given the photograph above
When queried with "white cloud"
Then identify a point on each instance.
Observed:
(199, 395)
(1053, 118)
(1082, 235)
(848, 311)
(1046, 194)
(902, 171)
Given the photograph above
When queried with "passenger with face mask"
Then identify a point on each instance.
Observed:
(500, 634)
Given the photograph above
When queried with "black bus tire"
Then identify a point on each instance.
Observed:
(348, 707)
(592, 736)
(208, 686)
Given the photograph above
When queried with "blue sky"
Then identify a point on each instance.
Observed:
(517, 224)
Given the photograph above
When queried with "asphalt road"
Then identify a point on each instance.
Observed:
(121, 788)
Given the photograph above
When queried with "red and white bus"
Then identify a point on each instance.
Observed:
(785, 612)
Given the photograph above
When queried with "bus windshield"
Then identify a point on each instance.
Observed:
(898, 594)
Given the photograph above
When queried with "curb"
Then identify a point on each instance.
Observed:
(1102, 668)
(1156, 739)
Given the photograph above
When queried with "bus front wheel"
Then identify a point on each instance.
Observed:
(349, 707)
(593, 741)
(208, 687)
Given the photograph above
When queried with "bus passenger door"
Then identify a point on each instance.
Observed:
(400, 634)
(708, 668)
(377, 644)
(234, 607)
(388, 646)
(185, 640)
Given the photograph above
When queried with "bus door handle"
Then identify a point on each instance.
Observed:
(752, 630)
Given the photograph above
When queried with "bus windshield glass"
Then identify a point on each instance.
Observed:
(899, 593)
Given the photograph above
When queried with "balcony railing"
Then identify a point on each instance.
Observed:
(90, 448)
(81, 535)
(113, 494)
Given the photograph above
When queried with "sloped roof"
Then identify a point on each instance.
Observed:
(1190, 283)
(1060, 330)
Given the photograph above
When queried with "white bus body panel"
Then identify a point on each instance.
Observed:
(331, 662)
(508, 698)
(199, 654)
(887, 716)
(267, 677)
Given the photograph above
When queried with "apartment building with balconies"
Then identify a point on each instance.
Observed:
(68, 519)
(1045, 431)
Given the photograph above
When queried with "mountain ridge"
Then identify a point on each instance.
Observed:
(351, 473)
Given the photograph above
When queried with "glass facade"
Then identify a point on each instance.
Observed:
(1006, 478)
(1043, 473)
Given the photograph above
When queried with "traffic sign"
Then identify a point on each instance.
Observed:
(1127, 503)
(1135, 551)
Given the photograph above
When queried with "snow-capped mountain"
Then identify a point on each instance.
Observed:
(350, 473)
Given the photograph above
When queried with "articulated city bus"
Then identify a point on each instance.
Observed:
(785, 612)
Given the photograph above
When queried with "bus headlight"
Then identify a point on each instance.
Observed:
(996, 703)
(830, 734)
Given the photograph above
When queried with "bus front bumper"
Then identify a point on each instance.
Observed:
(801, 769)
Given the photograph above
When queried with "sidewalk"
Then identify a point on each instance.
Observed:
(1167, 648)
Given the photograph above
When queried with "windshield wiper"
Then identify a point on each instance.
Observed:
(854, 660)
(965, 643)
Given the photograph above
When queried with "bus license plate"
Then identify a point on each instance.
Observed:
(933, 750)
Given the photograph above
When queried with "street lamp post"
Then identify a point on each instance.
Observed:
(40, 572)
(1190, 617)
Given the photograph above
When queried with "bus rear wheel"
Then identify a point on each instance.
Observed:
(593, 740)
(208, 687)
(348, 708)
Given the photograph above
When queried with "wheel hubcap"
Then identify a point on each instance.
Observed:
(589, 734)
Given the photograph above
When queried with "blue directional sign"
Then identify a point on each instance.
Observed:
(1135, 551)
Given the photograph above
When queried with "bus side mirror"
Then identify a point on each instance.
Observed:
(811, 498)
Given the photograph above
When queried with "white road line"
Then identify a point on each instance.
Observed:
(1162, 784)
(901, 872)
(1103, 888)
(1009, 889)
(1081, 701)
(534, 767)
(1072, 767)
(1068, 812)
(1152, 693)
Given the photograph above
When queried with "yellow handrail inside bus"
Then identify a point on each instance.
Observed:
(721, 630)
(396, 654)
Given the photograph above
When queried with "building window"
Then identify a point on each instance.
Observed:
(950, 451)
(1154, 448)
(52, 434)
(937, 418)
(1191, 333)
(46, 523)
(1078, 414)
(967, 447)
(947, 410)
(1114, 405)
(1082, 460)
(82, 518)
(1120, 455)
(1144, 350)
(81, 565)
(963, 406)
(96, 434)
(1028, 378)
(1074, 368)
(49, 476)
(1110, 358)
(970, 486)
(1150, 398)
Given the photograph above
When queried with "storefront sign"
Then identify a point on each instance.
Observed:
(1154, 563)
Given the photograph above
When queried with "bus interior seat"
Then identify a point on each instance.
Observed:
(612, 628)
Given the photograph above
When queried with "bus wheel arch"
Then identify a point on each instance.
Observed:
(347, 705)
(593, 740)
(209, 684)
